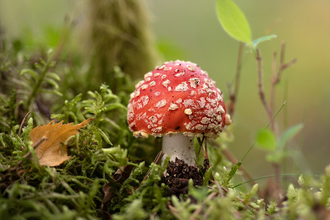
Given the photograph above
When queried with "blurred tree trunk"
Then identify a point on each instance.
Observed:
(117, 34)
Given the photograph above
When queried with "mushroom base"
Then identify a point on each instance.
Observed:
(178, 174)
(179, 146)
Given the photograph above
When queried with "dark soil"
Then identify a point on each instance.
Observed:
(178, 174)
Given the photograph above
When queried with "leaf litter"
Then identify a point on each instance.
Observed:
(52, 151)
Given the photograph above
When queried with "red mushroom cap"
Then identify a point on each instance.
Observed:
(177, 97)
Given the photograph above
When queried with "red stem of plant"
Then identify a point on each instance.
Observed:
(238, 68)
(269, 109)
(262, 94)
(156, 161)
(276, 77)
(233, 95)
(22, 123)
(234, 160)
(272, 88)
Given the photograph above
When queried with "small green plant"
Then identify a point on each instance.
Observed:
(235, 24)
(38, 77)
(266, 140)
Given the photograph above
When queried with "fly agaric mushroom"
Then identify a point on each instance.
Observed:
(178, 101)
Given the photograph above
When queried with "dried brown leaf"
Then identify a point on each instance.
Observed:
(52, 152)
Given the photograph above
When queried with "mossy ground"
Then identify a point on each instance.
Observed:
(106, 177)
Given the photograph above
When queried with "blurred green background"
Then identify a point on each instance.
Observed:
(189, 30)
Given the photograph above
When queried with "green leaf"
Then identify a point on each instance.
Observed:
(266, 140)
(233, 21)
(277, 156)
(105, 137)
(113, 106)
(57, 93)
(52, 82)
(288, 134)
(207, 176)
(291, 193)
(233, 171)
(25, 84)
(53, 76)
(51, 91)
(250, 194)
(30, 72)
(262, 39)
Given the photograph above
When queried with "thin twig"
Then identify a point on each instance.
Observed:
(233, 95)
(208, 211)
(277, 169)
(197, 211)
(219, 188)
(29, 153)
(35, 146)
(156, 161)
(1, 46)
(238, 198)
(22, 123)
(173, 210)
(261, 92)
(272, 88)
(277, 76)
(238, 68)
(234, 160)
(282, 66)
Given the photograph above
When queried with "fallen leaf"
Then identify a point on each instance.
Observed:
(52, 152)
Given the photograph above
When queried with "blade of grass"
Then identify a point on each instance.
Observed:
(198, 167)
(265, 129)
(265, 177)
(237, 165)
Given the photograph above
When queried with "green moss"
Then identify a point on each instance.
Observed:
(104, 175)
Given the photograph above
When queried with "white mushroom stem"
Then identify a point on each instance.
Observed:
(180, 146)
